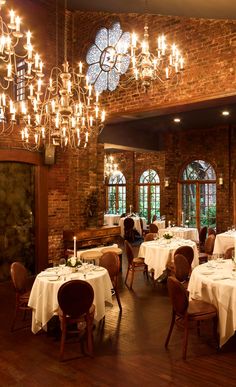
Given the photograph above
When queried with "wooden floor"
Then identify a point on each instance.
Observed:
(129, 351)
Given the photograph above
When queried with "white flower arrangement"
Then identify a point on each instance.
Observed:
(73, 262)
(168, 235)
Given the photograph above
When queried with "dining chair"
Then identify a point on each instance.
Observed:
(129, 229)
(150, 236)
(144, 232)
(134, 264)
(154, 218)
(116, 250)
(209, 247)
(202, 238)
(20, 279)
(187, 251)
(193, 310)
(182, 269)
(76, 312)
(229, 253)
(211, 231)
(110, 261)
(153, 228)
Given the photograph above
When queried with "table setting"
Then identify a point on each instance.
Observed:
(224, 240)
(158, 253)
(182, 232)
(215, 282)
(43, 297)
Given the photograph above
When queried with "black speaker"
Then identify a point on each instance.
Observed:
(49, 155)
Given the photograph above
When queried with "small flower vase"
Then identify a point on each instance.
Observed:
(168, 240)
(73, 269)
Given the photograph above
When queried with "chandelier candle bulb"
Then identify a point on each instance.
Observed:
(12, 19)
(80, 67)
(36, 63)
(17, 21)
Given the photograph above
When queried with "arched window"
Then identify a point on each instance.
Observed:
(198, 183)
(149, 194)
(116, 193)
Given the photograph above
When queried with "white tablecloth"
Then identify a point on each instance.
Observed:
(223, 241)
(160, 223)
(79, 252)
(158, 253)
(217, 286)
(43, 297)
(182, 232)
(137, 225)
(111, 219)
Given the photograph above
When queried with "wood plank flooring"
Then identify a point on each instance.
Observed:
(129, 349)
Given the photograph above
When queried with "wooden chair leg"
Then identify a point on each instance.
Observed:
(170, 329)
(185, 343)
(126, 277)
(63, 338)
(89, 334)
(132, 278)
(118, 298)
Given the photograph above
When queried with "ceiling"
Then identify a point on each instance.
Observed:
(212, 9)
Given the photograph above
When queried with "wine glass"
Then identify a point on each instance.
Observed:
(62, 263)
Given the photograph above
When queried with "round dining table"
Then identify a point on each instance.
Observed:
(137, 225)
(223, 241)
(215, 282)
(182, 232)
(111, 219)
(158, 253)
(43, 296)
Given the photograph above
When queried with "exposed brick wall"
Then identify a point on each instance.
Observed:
(132, 165)
(209, 47)
(211, 145)
(210, 50)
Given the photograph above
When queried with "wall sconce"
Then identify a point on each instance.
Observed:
(221, 180)
(166, 182)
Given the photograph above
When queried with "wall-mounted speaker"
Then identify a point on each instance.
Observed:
(49, 155)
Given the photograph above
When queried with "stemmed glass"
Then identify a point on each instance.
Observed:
(85, 269)
(62, 263)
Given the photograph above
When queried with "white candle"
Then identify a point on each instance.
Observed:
(234, 249)
(182, 217)
(74, 246)
(130, 208)
(168, 223)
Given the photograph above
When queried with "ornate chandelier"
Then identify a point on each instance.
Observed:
(147, 66)
(110, 166)
(19, 66)
(69, 111)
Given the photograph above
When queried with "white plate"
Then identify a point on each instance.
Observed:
(53, 278)
(207, 272)
(98, 268)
